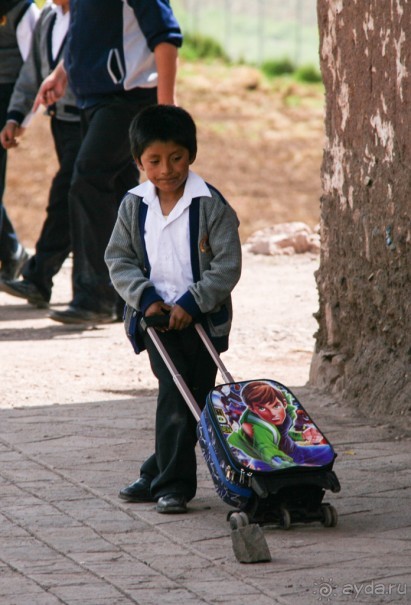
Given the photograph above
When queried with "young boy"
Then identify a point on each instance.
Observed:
(54, 243)
(175, 250)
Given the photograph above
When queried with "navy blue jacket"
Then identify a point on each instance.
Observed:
(111, 42)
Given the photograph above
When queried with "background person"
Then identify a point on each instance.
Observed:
(54, 243)
(120, 57)
(17, 21)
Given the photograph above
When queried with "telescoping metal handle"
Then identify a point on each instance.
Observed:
(149, 324)
(213, 352)
(160, 321)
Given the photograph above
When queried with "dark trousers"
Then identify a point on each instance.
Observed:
(54, 243)
(8, 238)
(104, 171)
(173, 467)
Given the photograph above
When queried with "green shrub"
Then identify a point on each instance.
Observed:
(197, 46)
(277, 67)
(308, 73)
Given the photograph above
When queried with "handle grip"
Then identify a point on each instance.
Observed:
(155, 321)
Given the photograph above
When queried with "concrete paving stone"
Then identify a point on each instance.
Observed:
(9, 529)
(187, 532)
(120, 563)
(140, 535)
(86, 590)
(24, 471)
(147, 549)
(403, 536)
(12, 582)
(72, 540)
(9, 457)
(129, 577)
(70, 444)
(176, 596)
(63, 577)
(255, 598)
(61, 491)
(160, 582)
(189, 564)
(26, 550)
(30, 598)
(100, 514)
(217, 549)
(214, 586)
(342, 588)
(102, 600)
(38, 513)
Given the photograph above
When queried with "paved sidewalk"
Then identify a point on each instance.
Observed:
(65, 537)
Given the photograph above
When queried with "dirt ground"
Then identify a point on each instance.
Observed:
(262, 149)
(260, 144)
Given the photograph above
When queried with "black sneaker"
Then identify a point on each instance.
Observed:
(139, 491)
(11, 269)
(78, 315)
(172, 504)
(25, 289)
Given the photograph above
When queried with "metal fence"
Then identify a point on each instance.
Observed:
(255, 30)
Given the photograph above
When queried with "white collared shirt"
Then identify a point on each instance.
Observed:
(25, 29)
(59, 30)
(167, 238)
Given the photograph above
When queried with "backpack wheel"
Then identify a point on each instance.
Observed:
(329, 515)
(285, 518)
(238, 520)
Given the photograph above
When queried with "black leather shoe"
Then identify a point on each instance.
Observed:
(172, 504)
(11, 269)
(139, 491)
(25, 289)
(78, 315)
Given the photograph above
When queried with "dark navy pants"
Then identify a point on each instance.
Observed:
(104, 172)
(8, 238)
(54, 243)
(173, 468)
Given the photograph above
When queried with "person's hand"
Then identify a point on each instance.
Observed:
(179, 318)
(52, 88)
(10, 134)
(158, 308)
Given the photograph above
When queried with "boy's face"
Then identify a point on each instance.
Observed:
(166, 165)
(273, 412)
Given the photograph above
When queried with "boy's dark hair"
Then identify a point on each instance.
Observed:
(162, 123)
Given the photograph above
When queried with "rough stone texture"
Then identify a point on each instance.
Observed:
(363, 342)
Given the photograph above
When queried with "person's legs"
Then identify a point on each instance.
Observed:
(103, 159)
(175, 425)
(54, 245)
(12, 253)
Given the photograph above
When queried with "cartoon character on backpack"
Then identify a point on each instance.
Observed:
(267, 431)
